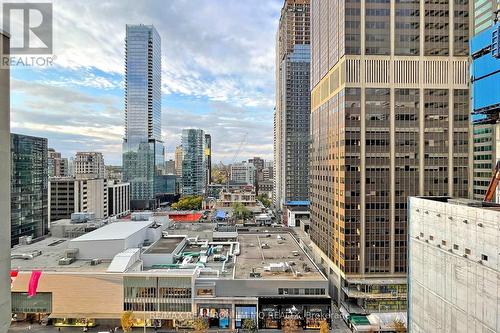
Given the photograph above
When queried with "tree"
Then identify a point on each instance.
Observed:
(249, 325)
(264, 199)
(240, 211)
(290, 324)
(323, 327)
(399, 326)
(192, 202)
(200, 324)
(127, 320)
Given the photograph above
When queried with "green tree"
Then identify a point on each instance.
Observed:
(192, 202)
(249, 325)
(240, 211)
(264, 199)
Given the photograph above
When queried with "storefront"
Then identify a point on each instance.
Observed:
(32, 309)
(245, 312)
(217, 315)
(274, 313)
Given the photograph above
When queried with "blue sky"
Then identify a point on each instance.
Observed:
(217, 74)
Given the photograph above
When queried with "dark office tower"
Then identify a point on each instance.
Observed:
(292, 113)
(5, 167)
(29, 187)
(389, 119)
(143, 151)
(208, 156)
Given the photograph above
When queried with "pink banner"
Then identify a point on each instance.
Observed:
(33, 284)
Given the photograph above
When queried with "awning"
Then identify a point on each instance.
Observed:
(86, 315)
(220, 214)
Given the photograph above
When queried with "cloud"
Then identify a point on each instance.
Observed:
(217, 61)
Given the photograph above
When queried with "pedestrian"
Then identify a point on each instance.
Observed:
(59, 329)
(29, 327)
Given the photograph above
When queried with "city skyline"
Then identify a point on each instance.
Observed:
(228, 76)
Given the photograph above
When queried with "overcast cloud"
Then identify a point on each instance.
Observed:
(217, 74)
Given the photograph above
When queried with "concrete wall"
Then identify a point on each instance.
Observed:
(454, 268)
(5, 186)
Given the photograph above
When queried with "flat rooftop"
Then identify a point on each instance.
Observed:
(52, 249)
(114, 231)
(279, 247)
(165, 245)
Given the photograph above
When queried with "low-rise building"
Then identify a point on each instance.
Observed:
(168, 280)
(454, 267)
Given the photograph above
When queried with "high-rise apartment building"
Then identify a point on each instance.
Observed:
(143, 151)
(29, 186)
(178, 160)
(484, 14)
(389, 119)
(454, 267)
(208, 156)
(194, 163)
(57, 165)
(89, 165)
(292, 113)
(5, 167)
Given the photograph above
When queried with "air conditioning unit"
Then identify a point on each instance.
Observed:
(95, 262)
(66, 261)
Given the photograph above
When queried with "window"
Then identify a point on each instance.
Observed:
(467, 251)
(205, 292)
(455, 247)
(484, 257)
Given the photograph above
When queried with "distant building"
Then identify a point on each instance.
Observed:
(194, 164)
(89, 165)
(143, 151)
(266, 187)
(57, 165)
(484, 14)
(170, 167)
(69, 195)
(118, 199)
(454, 269)
(268, 173)
(178, 160)
(228, 198)
(5, 167)
(114, 172)
(208, 156)
(29, 184)
(293, 102)
(485, 77)
(243, 173)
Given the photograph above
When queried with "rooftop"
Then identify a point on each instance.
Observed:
(52, 249)
(114, 231)
(261, 250)
(165, 245)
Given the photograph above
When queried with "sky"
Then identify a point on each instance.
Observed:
(217, 75)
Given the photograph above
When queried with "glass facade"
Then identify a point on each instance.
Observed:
(29, 187)
(194, 162)
(407, 27)
(143, 151)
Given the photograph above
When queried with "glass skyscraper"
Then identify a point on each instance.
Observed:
(194, 163)
(143, 151)
(29, 187)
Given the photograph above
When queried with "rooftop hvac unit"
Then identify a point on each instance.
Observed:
(95, 262)
(71, 253)
(66, 261)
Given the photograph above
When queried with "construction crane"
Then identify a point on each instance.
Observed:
(492, 188)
